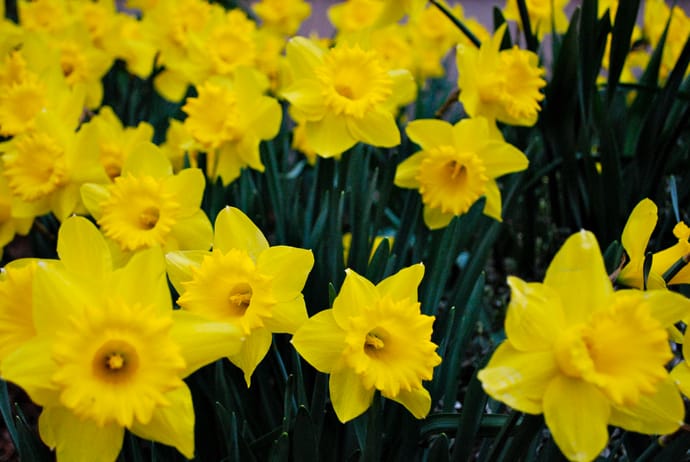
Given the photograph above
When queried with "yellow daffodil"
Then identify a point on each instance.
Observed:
(282, 16)
(374, 338)
(109, 353)
(244, 282)
(344, 95)
(148, 206)
(229, 118)
(586, 356)
(663, 260)
(10, 224)
(656, 15)
(105, 134)
(543, 15)
(638, 229)
(501, 85)
(457, 165)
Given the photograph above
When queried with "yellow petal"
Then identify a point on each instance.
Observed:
(349, 397)
(534, 317)
(656, 414)
(289, 267)
(518, 378)
(667, 307)
(665, 259)
(639, 229)
(305, 99)
(320, 341)
(288, 316)
(417, 401)
(31, 367)
(194, 232)
(188, 189)
(173, 424)
(356, 293)
(228, 165)
(403, 284)
(578, 274)
(234, 230)
(577, 414)
(79, 440)
(93, 195)
(265, 116)
(681, 376)
(407, 171)
(171, 85)
(329, 136)
(202, 341)
(253, 350)
(436, 219)
(377, 128)
(57, 296)
(500, 158)
(143, 280)
(493, 207)
(82, 248)
(147, 159)
(429, 133)
(179, 266)
(303, 56)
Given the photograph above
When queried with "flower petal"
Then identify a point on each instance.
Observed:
(173, 424)
(79, 440)
(356, 292)
(202, 341)
(194, 232)
(306, 101)
(417, 401)
(578, 274)
(436, 219)
(377, 128)
(289, 267)
(147, 159)
(82, 248)
(234, 230)
(407, 171)
(403, 284)
(179, 266)
(493, 206)
(667, 307)
(577, 414)
(188, 189)
(320, 341)
(93, 195)
(329, 136)
(518, 378)
(303, 55)
(657, 414)
(253, 350)
(31, 367)
(288, 316)
(638, 229)
(143, 280)
(500, 158)
(534, 317)
(349, 397)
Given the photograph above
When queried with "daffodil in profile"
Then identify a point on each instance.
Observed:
(664, 260)
(374, 338)
(502, 85)
(148, 206)
(109, 353)
(243, 282)
(344, 95)
(457, 165)
(586, 356)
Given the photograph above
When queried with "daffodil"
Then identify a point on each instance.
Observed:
(229, 118)
(374, 338)
(10, 224)
(244, 282)
(664, 260)
(109, 353)
(543, 15)
(344, 95)
(457, 165)
(148, 206)
(282, 16)
(638, 229)
(586, 356)
(503, 85)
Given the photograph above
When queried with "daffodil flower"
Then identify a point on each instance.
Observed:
(586, 356)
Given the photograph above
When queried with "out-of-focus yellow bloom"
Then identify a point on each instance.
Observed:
(656, 14)
(148, 206)
(109, 353)
(354, 15)
(16, 315)
(344, 95)
(128, 40)
(50, 16)
(543, 14)
(45, 168)
(115, 143)
(378, 240)
(586, 356)
(394, 10)
(638, 229)
(610, 5)
(500, 85)
(457, 165)
(229, 118)
(180, 143)
(282, 16)
(374, 338)
(10, 225)
(244, 282)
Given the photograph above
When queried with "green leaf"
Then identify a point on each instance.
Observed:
(304, 438)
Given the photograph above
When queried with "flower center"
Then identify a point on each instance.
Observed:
(115, 361)
(149, 217)
(240, 297)
(450, 180)
(21, 103)
(373, 342)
